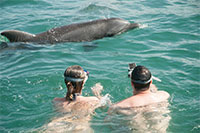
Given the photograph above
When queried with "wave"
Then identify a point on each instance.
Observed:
(94, 8)
(6, 3)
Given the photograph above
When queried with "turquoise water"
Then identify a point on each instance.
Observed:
(31, 75)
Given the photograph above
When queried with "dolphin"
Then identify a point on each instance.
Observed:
(78, 32)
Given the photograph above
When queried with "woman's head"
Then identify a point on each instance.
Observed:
(75, 77)
(141, 78)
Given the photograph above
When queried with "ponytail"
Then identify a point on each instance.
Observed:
(70, 95)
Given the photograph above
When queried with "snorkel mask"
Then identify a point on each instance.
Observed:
(130, 70)
(78, 79)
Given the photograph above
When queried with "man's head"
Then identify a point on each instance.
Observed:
(141, 78)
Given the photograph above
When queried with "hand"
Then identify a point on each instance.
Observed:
(96, 89)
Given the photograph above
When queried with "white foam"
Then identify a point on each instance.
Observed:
(143, 26)
(105, 100)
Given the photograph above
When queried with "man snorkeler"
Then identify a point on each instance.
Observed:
(145, 111)
(144, 92)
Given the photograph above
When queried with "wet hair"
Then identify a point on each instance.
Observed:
(73, 86)
(141, 78)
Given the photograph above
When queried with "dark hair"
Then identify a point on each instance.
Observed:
(75, 72)
(141, 78)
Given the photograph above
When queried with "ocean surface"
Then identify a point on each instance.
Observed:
(168, 43)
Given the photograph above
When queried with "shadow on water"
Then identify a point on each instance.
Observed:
(87, 47)
(8, 48)
(18, 46)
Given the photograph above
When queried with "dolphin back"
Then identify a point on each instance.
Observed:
(79, 32)
(118, 26)
(17, 36)
(133, 26)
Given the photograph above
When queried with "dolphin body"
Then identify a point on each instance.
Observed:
(79, 32)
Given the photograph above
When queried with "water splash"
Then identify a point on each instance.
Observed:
(142, 26)
(105, 100)
(3, 39)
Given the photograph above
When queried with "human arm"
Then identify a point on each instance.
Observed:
(103, 100)
(97, 89)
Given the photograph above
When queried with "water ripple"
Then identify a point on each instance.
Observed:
(32, 75)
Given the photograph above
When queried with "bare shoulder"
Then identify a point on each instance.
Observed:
(123, 104)
(90, 99)
(163, 94)
(117, 105)
(58, 99)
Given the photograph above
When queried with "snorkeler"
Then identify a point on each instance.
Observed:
(75, 78)
(76, 109)
(144, 92)
(146, 111)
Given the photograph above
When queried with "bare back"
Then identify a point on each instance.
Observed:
(143, 112)
(143, 119)
(75, 115)
(143, 99)
(82, 106)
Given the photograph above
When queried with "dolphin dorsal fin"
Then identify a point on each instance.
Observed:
(17, 36)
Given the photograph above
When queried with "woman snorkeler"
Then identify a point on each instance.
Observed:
(76, 109)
